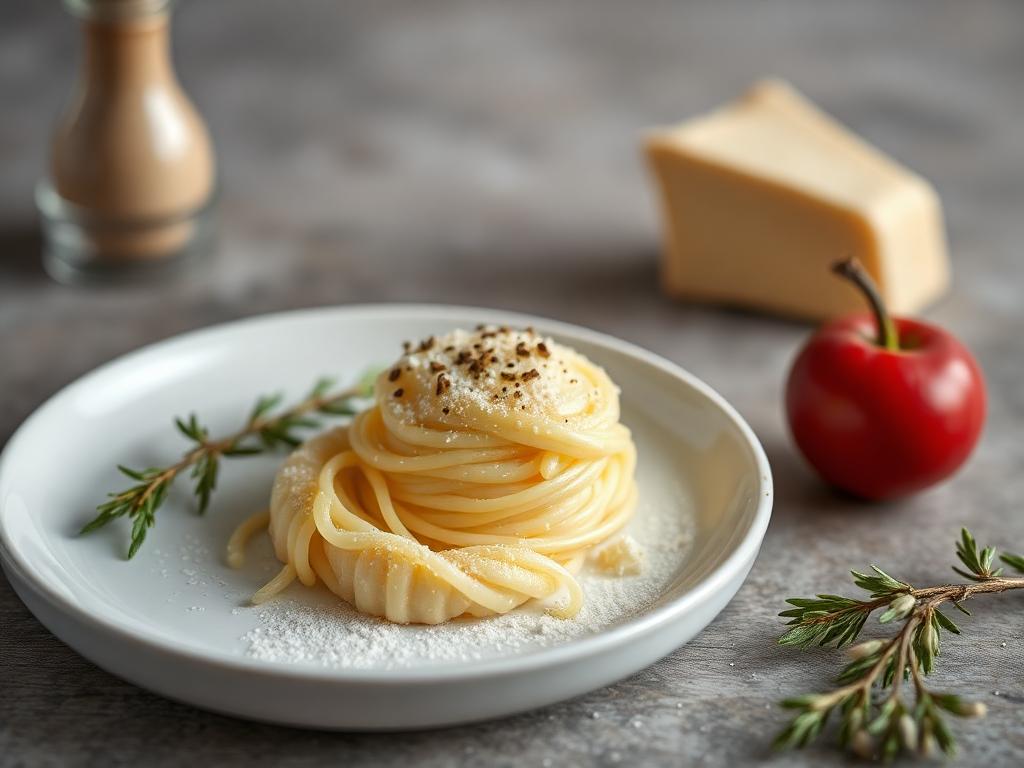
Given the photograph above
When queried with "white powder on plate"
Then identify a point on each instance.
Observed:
(307, 628)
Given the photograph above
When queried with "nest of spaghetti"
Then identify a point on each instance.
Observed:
(490, 465)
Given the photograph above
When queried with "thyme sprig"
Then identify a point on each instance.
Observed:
(264, 430)
(876, 716)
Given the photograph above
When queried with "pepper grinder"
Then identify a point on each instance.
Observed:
(131, 183)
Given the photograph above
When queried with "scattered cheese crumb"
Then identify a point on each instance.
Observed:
(622, 557)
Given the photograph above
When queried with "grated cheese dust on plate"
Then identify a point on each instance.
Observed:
(331, 634)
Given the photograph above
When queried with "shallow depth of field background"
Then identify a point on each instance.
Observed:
(487, 153)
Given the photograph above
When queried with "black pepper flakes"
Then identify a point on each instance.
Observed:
(427, 344)
(508, 376)
(399, 392)
(436, 367)
(446, 410)
(531, 374)
(443, 384)
(395, 373)
(542, 348)
(518, 393)
(522, 350)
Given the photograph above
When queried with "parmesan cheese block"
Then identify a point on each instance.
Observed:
(762, 195)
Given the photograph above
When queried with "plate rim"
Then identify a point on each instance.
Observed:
(576, 649)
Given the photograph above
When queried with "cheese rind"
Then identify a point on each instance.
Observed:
(759, 197)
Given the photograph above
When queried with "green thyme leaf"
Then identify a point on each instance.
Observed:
(264, 405)
(946, 623)
(1014, 561)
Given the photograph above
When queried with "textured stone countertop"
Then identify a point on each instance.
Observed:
(486, 153)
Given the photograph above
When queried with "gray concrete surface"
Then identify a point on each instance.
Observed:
(486, 153)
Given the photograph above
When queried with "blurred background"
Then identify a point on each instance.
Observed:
(487, 153)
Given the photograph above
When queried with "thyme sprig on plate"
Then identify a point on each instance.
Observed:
(877, 717)
(264, 430)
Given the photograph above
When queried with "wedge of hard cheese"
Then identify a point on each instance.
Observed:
(762, 195)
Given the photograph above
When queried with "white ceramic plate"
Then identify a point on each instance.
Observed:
(172, 620)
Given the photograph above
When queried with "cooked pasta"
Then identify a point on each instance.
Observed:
(488, 467)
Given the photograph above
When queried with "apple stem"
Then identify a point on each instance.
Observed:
(851, 270)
